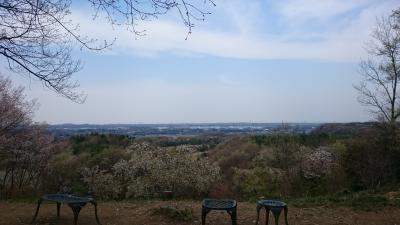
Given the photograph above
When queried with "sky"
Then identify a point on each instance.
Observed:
(249, 61)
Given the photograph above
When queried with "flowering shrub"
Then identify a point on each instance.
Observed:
(149, 172)
(100, 183)
(319, 163)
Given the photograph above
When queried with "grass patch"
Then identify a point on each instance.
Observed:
(22, 200)
(358, 201)
(174, 213)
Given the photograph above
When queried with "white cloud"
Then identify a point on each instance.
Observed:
(245, 16)
(301, 10)
(332, 44)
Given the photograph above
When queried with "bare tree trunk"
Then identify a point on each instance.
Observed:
(21, 179)
(11, 188)
(394, 94)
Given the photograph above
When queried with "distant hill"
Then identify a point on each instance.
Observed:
(344, 129)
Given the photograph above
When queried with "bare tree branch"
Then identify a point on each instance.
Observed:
(381, 72)
(37, 39)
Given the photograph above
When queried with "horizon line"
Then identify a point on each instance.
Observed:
(207, 123)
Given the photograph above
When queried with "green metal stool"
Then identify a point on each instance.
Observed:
(217, 204)
(275, 207)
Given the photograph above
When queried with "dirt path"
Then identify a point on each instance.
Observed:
(141, 214)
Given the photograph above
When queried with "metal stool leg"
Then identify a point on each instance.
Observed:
(276, 215)
(234, 216)
(95, 212)
(258, 213)
(266, 215)
(286, 212)
(76, 209)
(58, 209)
(204, 213)
(37, 210)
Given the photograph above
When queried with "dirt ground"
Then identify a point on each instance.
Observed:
(142, 214)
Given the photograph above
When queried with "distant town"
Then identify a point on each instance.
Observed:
(66, 130)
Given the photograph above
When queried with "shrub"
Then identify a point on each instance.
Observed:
(100, 183)
(280, 165)
(372, 161)
(256, 183)
(151, 171)
(63, 174)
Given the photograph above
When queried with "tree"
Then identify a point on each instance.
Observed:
(15, 111)
(24, 159)
(36, 36)
(25, 147)
(379, 89)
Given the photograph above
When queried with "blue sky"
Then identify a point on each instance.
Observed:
(250, 61)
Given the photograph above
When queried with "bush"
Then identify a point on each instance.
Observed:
(151, 171)
(256, 183)
(281, 166)
(63, 174)
(372, 161)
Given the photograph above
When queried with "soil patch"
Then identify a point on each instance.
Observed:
(121, 213)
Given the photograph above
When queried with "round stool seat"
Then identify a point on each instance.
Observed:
(219, 204)
(272, 203)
